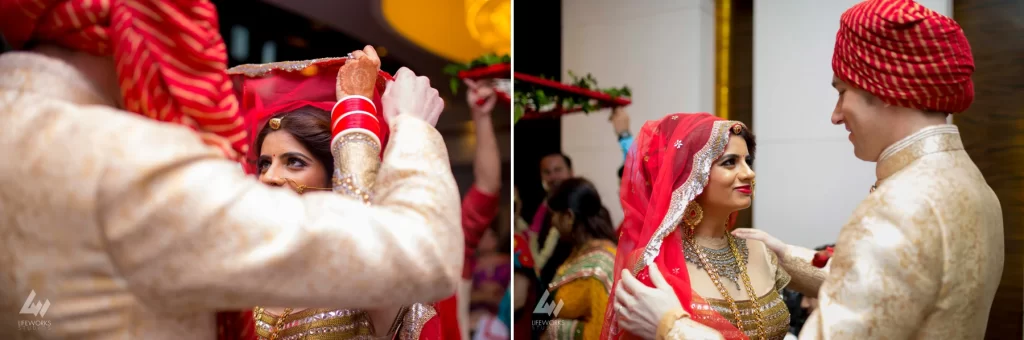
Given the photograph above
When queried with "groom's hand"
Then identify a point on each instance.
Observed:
(776, 245)
(411, 95)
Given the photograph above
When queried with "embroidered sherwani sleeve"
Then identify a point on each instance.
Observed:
(805, 278)
(187, 229)
(885, 272)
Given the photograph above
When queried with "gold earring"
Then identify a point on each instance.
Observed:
(692, 215)
(753, 188)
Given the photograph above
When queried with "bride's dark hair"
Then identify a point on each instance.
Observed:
(592, 220)
(312, 128)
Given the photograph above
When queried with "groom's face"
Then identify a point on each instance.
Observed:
(864, 117)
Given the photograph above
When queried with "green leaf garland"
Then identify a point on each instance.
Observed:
(483, 61)
(531, 97)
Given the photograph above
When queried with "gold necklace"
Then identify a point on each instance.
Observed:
(725, 293)
(750, 292)
(274, 331)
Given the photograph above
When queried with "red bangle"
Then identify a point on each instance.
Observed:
(357, 120)
(353, 103)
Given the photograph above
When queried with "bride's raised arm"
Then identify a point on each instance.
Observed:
(357, 127)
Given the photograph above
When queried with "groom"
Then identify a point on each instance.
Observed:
(134, 229)
(922, 255)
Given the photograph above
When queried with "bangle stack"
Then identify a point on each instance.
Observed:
(354, 114)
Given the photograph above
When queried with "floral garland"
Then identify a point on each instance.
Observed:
(486, 60)
(531, 97)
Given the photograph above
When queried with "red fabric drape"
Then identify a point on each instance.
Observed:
(269, 89)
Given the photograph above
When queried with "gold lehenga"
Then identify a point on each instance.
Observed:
(335, 324)
(768, 313)
(774, 312)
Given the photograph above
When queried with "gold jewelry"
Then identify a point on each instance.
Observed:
(753, 188)
(302, 187)
(736, 129)
(275, 123)
(692, 215)
(752, 294)
(274, 331)
(725, 293)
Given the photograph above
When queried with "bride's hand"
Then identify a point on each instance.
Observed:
(641, 308)
(769, 241)
(359, 74)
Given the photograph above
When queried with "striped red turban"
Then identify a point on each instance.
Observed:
(170, 57)
(906, 55)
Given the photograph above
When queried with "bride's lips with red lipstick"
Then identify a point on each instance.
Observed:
(744, 189)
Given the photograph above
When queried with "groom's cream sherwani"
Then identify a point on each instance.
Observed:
(133, 229)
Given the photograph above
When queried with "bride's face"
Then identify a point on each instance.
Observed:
(282, 157)
(729, 183)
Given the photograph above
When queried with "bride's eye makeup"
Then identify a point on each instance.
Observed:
(296, 163)
(295, 160)
(264, 164)
(728, 160)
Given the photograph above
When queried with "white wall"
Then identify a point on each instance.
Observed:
(808, 180)
(662, 49)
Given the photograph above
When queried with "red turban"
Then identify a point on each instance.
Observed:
(170, 57)
(906, 55)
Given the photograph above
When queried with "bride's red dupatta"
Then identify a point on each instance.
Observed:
(667, 168)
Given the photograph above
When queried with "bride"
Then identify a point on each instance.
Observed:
(307, 147)
(685, 180)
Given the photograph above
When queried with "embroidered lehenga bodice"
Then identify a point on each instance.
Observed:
(768, 312)
(336, 324)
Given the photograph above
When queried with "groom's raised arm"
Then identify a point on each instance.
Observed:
(187, 229)
(885, 273)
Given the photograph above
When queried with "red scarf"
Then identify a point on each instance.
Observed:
(666, 170)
